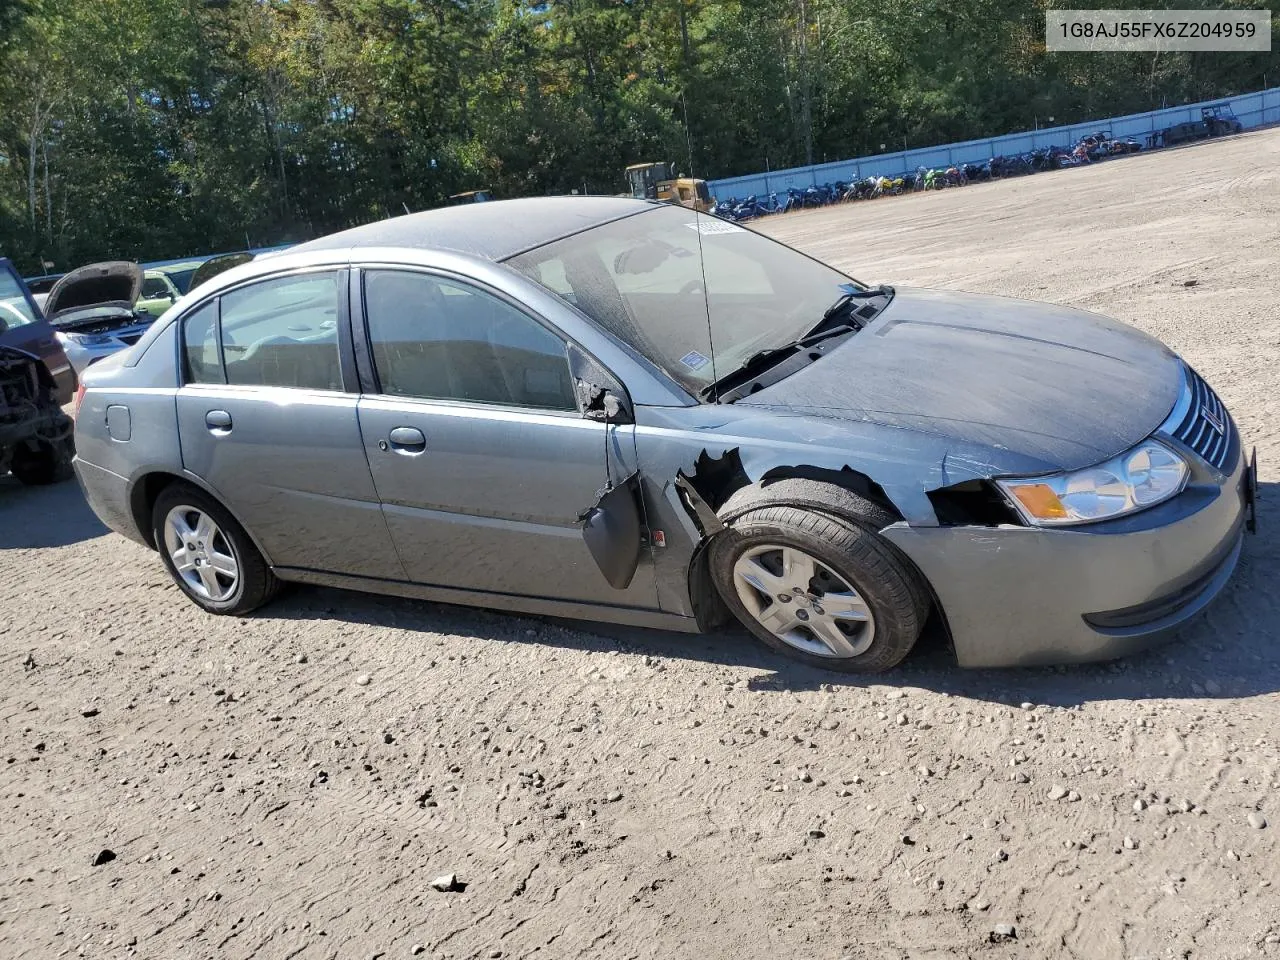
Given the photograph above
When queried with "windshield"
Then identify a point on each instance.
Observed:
(15, 311)
(642, 279)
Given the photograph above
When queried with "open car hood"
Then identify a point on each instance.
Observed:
(116, 283)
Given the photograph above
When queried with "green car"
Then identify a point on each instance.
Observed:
(180, 273)
(158, 293)
(161, 286)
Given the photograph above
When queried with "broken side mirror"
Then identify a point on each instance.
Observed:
(611, 528)
(611, 531)
(604, 405)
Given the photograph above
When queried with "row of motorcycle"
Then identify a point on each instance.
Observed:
(1088, 150)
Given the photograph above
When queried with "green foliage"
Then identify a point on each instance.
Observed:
(157, 128)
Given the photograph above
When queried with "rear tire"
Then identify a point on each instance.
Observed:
(51, 463)
(222, 571)
(861, 611)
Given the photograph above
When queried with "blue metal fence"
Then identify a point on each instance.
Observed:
(1253, 110)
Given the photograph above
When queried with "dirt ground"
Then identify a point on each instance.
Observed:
(615, 793)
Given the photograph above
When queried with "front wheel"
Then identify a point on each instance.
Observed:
(208, 553)
(822, 590)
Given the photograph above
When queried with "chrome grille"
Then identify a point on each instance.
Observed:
(1201, 422)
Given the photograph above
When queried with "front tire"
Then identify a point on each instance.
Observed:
(819, 589)
(208, 553)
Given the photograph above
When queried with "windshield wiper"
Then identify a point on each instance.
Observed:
(848, 297)
(763, 359)
(822, 330)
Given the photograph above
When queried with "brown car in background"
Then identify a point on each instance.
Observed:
(24, 327)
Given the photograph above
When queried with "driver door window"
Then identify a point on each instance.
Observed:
(437, 339)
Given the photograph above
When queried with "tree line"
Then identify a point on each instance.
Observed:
(161, 128)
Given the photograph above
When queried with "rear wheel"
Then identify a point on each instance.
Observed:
(49, 463)
(819, 589)
(208, 553)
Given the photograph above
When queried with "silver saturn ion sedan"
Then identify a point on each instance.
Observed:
(626, 411)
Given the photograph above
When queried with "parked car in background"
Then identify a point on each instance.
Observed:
(1216, 120)
(1124, 145)
(24, 327)
(94, 312)
(216, 265)
(178, 272)
(625, 410)
(158, 293)
(35, 435)
(40, 287)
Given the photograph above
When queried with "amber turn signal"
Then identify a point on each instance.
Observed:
(1039, 500)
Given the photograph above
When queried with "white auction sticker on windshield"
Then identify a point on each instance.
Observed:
(694, 360)
(710, 226)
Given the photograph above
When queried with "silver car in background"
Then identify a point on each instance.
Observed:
(627, 411)
(93, 310)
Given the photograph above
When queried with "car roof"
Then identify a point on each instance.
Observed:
(494, 231)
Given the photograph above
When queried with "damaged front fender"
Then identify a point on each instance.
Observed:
(701, 466)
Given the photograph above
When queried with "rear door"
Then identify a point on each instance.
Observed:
(22, 325)
(265, 419)
(480, 454)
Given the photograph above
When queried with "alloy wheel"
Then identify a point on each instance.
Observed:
(803, 602)
(201, 553)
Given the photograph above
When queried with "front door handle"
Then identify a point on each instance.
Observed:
(407, 440)
(218, 422)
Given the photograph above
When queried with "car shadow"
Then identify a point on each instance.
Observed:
(1231, 650)
(52, 516)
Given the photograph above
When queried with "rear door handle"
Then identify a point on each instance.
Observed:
(218, 422)
(407, 440)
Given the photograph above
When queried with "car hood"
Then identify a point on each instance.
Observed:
(115, 284)
(1058, 385)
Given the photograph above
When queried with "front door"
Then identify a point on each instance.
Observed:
(263, 420)
(479, 452)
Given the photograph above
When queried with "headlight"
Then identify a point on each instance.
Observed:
(1142, 477)
(90, 339)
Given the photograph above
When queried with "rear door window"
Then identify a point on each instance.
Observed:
(283, 333)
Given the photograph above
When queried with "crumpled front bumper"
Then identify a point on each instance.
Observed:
(1024, 596)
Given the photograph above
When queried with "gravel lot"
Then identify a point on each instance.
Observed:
(289, 785)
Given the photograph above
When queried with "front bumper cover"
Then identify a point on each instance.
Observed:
(1022, 596)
